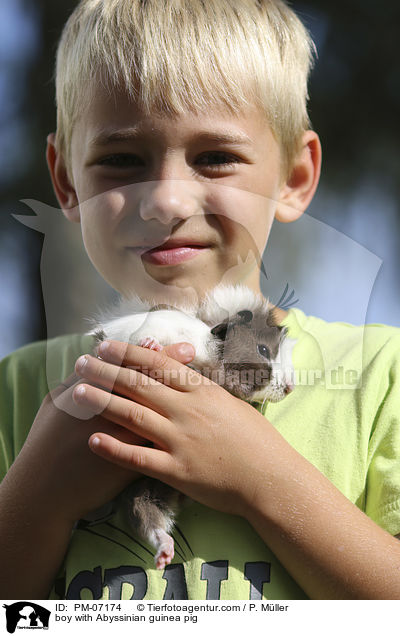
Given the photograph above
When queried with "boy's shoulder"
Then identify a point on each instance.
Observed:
(334, 344)
(47, 361)
(26, 376)
(299, 323)
(64, 345)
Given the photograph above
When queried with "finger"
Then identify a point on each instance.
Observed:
(62, 399)
(133, 416)
(126, 382)
(149, 461)
(119, 432)
(155, 364)
(183, 352)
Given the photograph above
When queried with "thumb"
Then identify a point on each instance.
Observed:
(183, 352)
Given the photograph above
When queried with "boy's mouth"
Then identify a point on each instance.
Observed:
(173, 252)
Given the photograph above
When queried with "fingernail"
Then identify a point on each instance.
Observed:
(81, 362)
(103, 348)
(79, 392)
(94, 442)
(187, 352)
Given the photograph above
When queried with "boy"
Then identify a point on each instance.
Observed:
(182, 134)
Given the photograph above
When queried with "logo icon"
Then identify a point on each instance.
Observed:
(26, 615)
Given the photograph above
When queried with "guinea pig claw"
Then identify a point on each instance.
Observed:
(150, 343)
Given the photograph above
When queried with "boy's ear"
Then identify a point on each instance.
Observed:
(63, 188)
(299, 189)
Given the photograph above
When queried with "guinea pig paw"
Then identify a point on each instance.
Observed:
(150, 343)
(165, 552)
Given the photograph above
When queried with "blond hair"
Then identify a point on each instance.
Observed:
(179, 55)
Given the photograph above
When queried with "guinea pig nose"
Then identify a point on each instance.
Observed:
(288, 389)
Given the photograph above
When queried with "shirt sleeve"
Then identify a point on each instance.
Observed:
(26, 376)
(383, 477)
(22, 388)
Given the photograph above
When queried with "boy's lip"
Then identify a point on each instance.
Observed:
(172, 252)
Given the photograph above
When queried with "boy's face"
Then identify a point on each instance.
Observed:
(185, 201)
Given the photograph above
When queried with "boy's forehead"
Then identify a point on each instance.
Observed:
(115, 117)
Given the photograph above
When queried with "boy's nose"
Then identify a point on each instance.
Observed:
(169, 199)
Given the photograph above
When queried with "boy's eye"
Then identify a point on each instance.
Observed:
(216, 160)
(123, 160)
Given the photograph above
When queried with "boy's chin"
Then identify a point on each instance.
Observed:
(181, 281)
(167, 290)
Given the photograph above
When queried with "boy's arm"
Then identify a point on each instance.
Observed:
(331, 548)
(54, 481)
(33, 540)
(206, 441)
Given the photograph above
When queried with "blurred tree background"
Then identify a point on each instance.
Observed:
(354, 105)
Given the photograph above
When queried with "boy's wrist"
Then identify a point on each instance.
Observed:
(279, 480)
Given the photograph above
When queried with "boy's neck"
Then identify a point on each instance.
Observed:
(253, 281)
(280, 314)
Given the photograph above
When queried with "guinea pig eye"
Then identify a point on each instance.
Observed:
(264, 351)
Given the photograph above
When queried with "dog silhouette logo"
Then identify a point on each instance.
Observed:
(26, 615)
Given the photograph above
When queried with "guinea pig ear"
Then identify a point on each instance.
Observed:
(245, 316)
(220, 330)
(99, 335)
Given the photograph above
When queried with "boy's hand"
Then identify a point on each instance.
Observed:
(56, 463)
(204, 438)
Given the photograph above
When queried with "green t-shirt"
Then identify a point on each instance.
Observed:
(343, 416)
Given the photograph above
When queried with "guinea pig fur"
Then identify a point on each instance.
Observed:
(237, 340)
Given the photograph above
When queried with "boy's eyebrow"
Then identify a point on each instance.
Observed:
(224, 136)
(106, 137)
